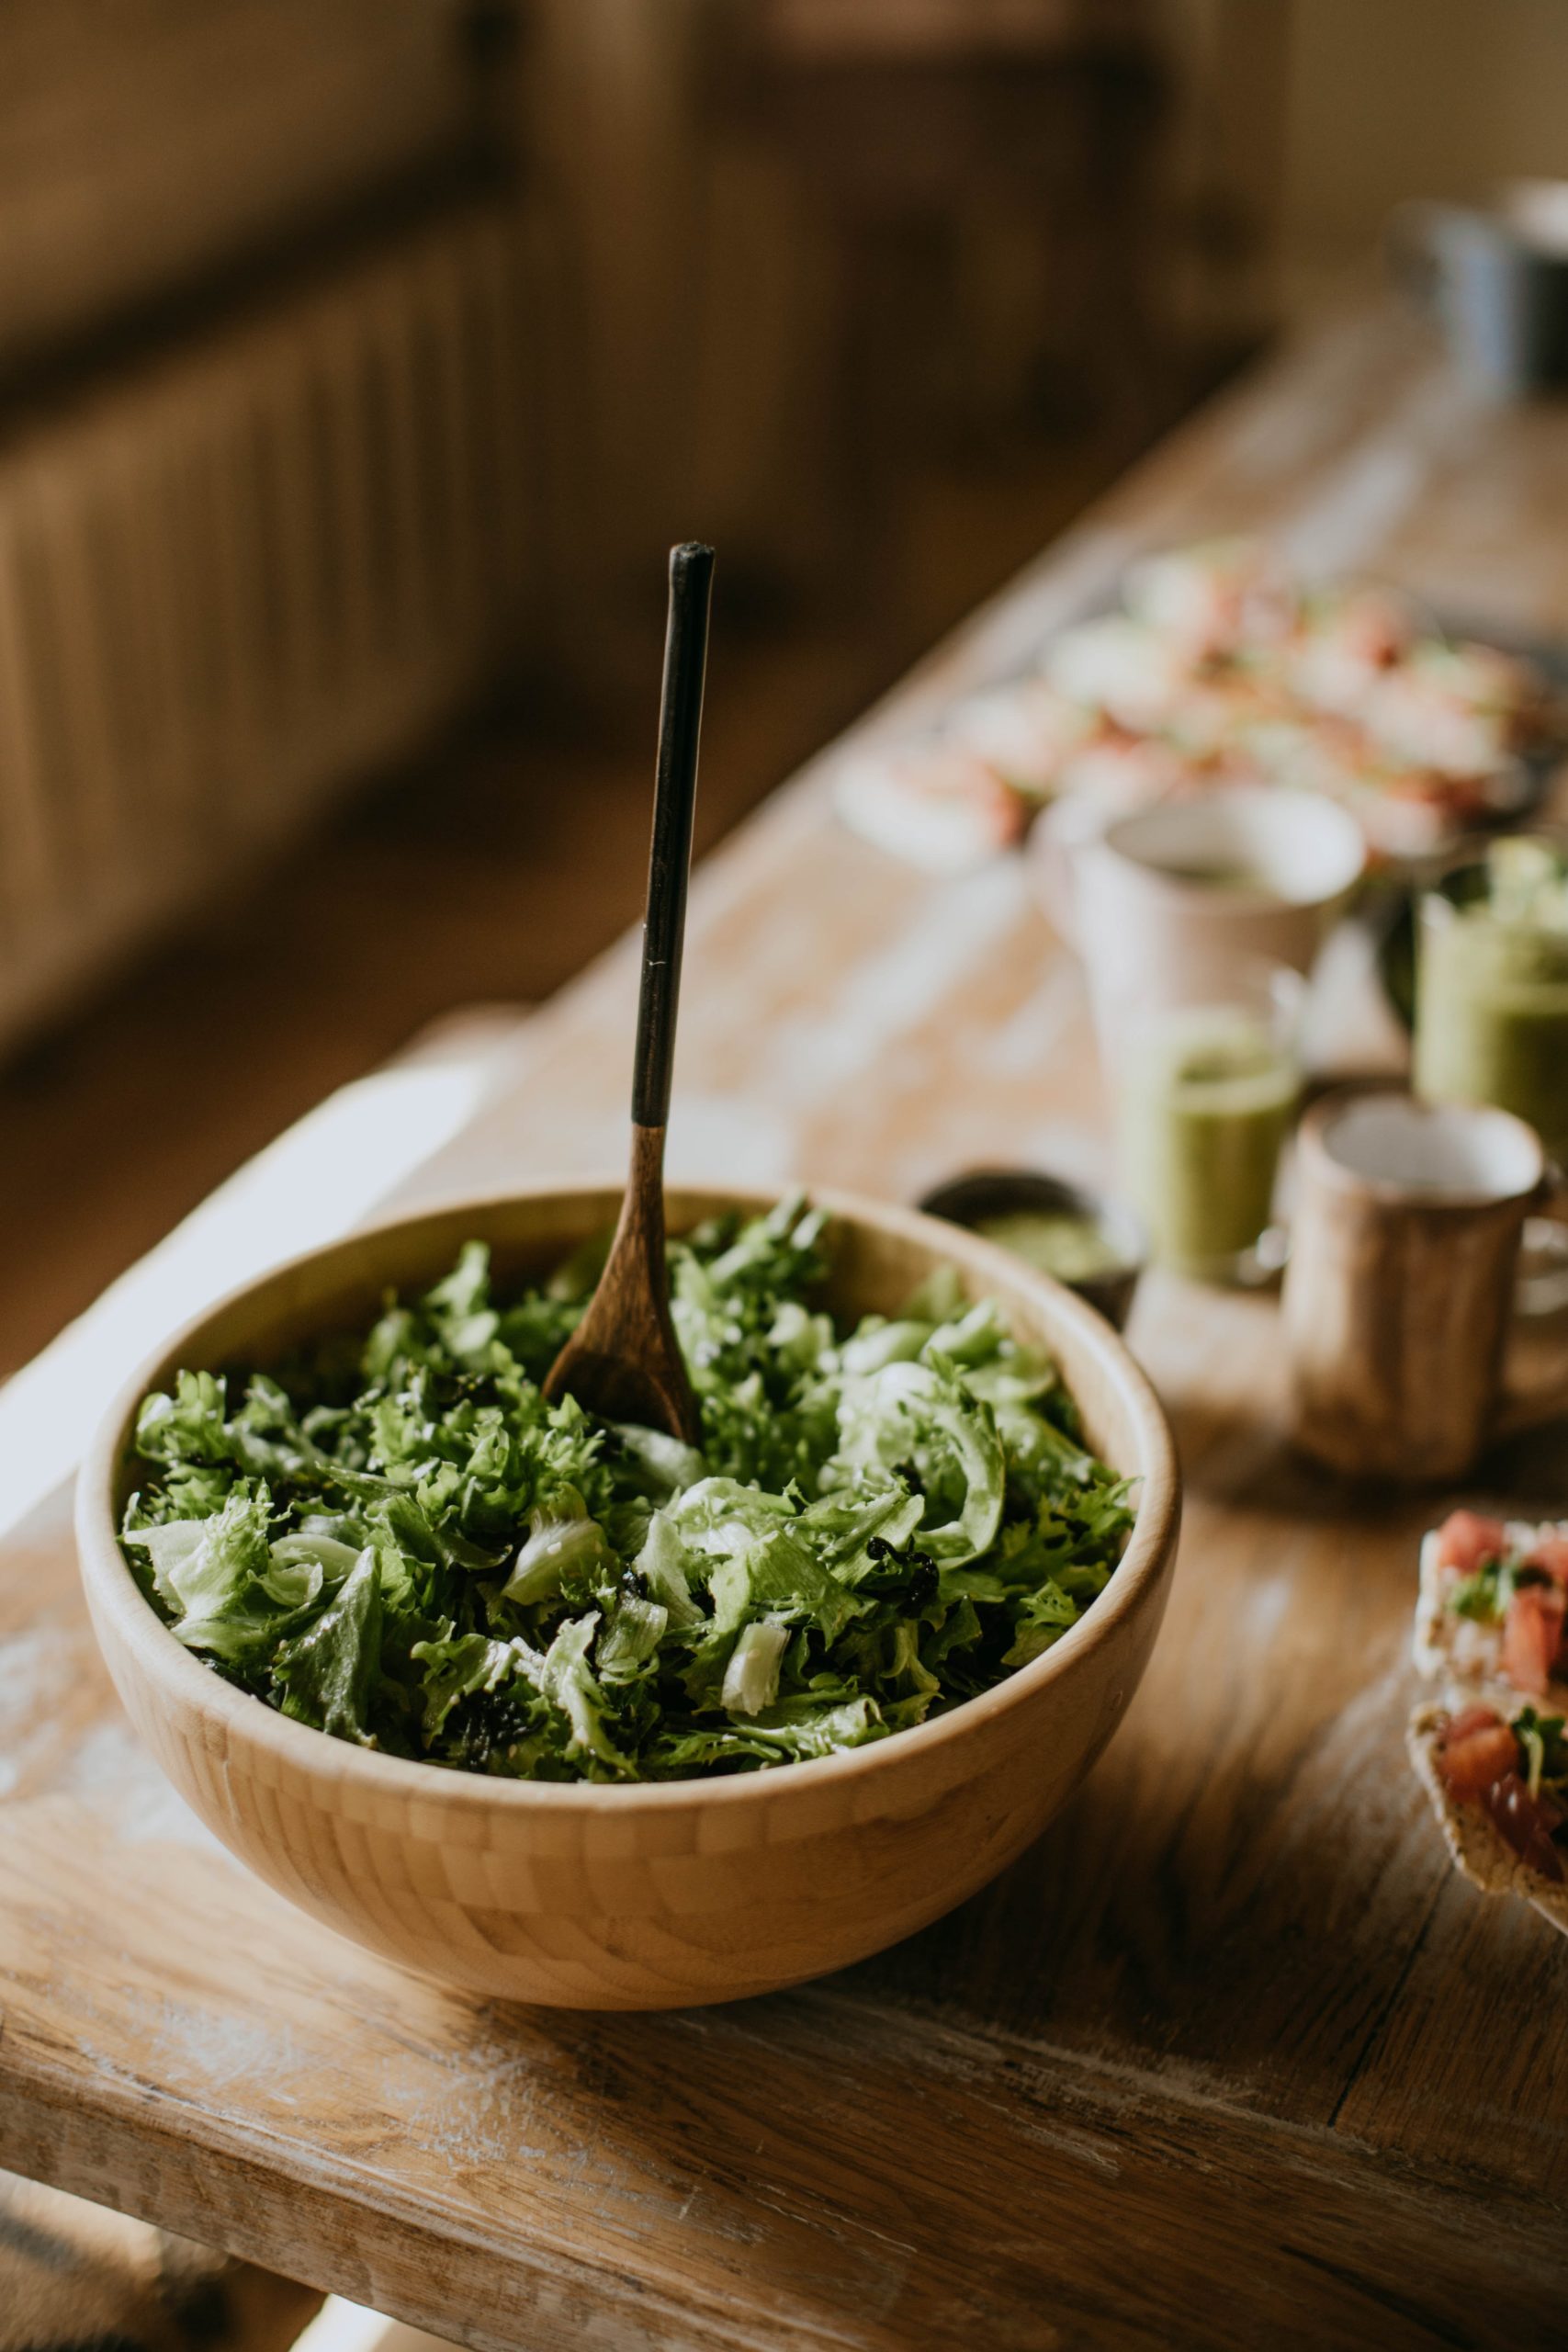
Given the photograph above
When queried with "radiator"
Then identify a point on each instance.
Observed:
(233, 580)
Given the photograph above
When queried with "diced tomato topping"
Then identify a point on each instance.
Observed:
(1477, 1748)
(1551, 1553)
(1476, 1718)
(1464, 1540)
(1478, 1757)
(1532, 1631)
(1523, 1823)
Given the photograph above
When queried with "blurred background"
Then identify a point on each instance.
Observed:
(359, 359)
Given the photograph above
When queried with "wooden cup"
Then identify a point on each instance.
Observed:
(1399, 1292)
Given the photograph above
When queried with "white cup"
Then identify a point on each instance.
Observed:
(1188, 896)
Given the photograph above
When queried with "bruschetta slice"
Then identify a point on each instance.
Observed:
(1498, 1783)
(1493, 1608)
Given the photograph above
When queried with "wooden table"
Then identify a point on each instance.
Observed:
(1231, 2057)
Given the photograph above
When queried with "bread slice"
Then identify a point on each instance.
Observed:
(1463, 1651)
(1478, 1851)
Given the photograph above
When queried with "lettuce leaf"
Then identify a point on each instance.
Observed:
(395, 1538)
(920, 1421)
(326, 1675)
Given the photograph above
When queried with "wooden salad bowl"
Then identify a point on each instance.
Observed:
(583, 1896)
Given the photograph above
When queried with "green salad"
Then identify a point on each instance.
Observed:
(395, 1539)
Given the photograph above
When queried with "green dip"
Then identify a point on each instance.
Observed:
(1217, 876)
(1206, 1104)
(1491, 988)
(1074, 1249)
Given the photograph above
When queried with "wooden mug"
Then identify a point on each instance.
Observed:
(1399, 1292)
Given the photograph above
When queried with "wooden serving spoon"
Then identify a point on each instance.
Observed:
(622, 1361)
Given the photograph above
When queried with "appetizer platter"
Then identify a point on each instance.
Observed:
(1221, 666)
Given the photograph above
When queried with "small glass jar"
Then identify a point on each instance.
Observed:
(1491, 987)
(1206, 1093)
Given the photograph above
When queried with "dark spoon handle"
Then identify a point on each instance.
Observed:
(674, 794)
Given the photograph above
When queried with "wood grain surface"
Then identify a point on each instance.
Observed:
(1230, 2056)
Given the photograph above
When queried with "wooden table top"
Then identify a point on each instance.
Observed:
(1231, 2056)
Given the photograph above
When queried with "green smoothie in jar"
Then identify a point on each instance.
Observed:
(1491, 987)
(1207, 1097)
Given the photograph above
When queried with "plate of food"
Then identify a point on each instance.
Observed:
(1492, 1749)
(1221, 666)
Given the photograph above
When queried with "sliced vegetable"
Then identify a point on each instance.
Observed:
(1477, 1748)
(1517, 1774)
(1532, 1633)
(1465, 1540)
